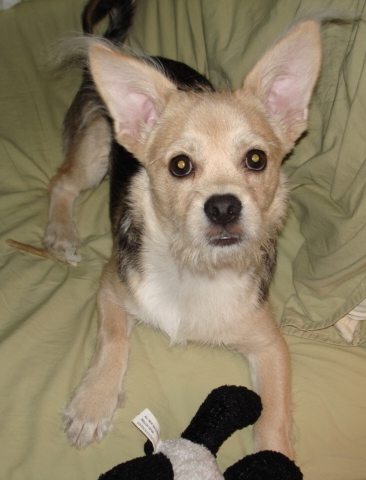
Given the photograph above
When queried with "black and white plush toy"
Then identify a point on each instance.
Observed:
(193, 456)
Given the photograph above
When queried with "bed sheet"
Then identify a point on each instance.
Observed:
(48, 316)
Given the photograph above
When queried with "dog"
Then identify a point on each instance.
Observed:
(197, 200)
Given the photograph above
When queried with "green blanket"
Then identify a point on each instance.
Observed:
(48, 318)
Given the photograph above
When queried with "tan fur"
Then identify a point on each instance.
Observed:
(85, 166)
(189, 288)
(191, 122)
(95, 401)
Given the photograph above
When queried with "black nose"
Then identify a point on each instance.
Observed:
(223, 209)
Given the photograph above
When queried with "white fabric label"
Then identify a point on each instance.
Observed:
(148, 425)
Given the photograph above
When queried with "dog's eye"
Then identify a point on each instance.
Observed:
(180, 166)
(256, 160)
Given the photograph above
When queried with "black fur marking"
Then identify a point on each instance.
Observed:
(120, 14)
(269, 257)
(127, 227)
(185, 77)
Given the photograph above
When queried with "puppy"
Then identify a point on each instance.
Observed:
(197, 202)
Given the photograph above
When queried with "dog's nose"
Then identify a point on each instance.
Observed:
(223, 209)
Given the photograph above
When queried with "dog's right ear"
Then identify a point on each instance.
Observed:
(134, 92)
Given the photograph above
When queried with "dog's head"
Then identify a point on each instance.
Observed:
(213, 158)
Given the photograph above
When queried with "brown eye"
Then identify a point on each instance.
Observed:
(256, 160)
(180, 166)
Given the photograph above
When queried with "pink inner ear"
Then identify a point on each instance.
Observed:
(142, 108)
(134, 111)
(286, 96)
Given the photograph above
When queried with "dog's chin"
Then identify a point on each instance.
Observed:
(209, 255)
(217, 249)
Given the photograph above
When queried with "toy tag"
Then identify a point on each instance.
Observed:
(148, 424)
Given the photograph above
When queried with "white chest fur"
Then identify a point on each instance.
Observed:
(192, 306)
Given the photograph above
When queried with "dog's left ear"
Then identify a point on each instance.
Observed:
(134, 92)
(284, 79)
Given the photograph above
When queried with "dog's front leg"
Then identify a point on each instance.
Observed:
(94, 402)
(269, 362)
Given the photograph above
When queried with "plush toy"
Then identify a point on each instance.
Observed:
(193, 456)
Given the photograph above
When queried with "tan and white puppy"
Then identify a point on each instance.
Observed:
(197, 202)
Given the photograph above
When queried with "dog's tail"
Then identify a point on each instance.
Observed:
(120, 13)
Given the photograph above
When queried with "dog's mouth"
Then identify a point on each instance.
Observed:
(225, 239)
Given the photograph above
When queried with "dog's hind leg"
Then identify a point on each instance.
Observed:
(86, 163)
(90, 411)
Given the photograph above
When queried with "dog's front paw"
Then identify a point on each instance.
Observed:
(88, 417)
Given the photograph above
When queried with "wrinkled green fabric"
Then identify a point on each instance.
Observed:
(328, 195)
(48, 315)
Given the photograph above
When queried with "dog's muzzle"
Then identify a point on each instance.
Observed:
(223, 212)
